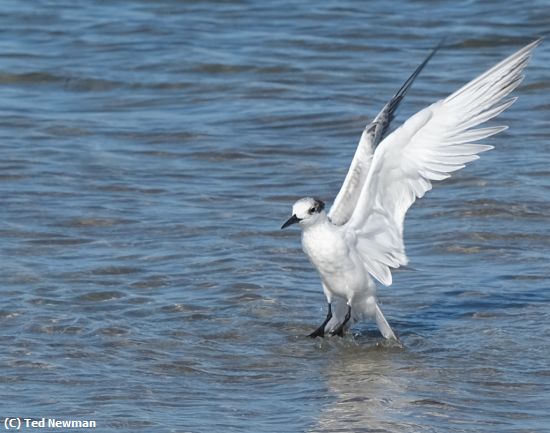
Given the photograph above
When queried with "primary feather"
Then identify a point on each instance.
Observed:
(347, 197)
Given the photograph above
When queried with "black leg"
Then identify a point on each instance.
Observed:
(339, 331)
(320, 331)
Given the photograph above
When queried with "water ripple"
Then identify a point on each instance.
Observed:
(149, 154)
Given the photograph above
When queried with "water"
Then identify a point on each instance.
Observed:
(149, 153)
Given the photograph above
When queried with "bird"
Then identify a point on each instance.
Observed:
(359, 240)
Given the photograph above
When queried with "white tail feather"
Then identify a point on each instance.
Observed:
(383, 325)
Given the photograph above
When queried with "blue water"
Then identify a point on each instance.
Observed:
(149, 153)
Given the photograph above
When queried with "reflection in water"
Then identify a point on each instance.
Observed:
(370, 393)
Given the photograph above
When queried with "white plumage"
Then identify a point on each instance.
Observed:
(362, 234)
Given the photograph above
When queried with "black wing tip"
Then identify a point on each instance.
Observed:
(390, 108)
(401, 92)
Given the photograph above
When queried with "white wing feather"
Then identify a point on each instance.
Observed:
(429, 146)
(346, 200)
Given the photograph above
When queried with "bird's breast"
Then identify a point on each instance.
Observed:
(327, 249)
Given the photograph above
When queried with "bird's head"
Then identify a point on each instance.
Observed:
(305, 211)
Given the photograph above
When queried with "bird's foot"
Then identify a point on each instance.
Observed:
(319, 332)
(339, 331)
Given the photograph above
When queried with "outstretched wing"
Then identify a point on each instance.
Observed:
(346, 200)
(429, 146)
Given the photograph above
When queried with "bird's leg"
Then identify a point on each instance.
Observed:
(340, 329)
(320, 331)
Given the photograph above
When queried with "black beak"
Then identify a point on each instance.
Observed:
(292, 220)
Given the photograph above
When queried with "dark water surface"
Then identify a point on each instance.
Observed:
(149, 152)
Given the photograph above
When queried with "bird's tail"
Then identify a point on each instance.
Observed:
(383, 324)
(372, 310)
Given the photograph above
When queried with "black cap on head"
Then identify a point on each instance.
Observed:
(319, 205)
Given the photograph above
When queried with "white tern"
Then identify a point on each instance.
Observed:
(361, 237)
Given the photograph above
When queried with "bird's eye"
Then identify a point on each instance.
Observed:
(312, 210)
